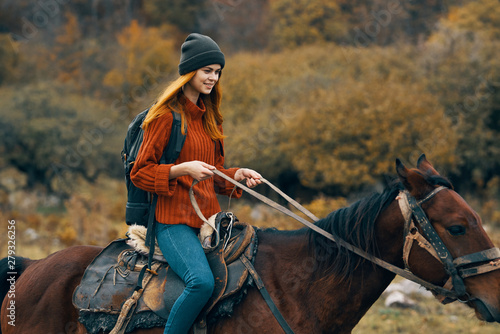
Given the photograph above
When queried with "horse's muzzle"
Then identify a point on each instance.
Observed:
(485, 311)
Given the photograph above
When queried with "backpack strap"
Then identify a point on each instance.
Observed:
(175, 142)
(169, 156)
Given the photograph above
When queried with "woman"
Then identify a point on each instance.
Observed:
(196, 96)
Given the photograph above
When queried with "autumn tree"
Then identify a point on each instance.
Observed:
(180, 13)
(67, 51)
(8, 59)
(55, 136)
(323, 19)
(348, 133)
(338, 122)
(144, 59)
(463, 70)
(237, 25)
(326, 106)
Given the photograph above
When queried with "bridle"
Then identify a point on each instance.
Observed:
(458, 269)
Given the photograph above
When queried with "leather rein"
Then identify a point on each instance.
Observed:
(458, 269)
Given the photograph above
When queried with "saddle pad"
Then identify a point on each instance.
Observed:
(106, 284)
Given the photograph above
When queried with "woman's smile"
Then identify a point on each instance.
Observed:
(203, 82)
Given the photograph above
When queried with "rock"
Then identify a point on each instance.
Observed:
(400, 300)
(408, 287)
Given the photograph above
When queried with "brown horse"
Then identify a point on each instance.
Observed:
(317, 286)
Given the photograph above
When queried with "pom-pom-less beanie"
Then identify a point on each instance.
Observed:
(198, 51)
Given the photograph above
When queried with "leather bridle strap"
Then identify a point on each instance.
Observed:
(410, 208)
(492, 255)
(386, 265)
(436, 242)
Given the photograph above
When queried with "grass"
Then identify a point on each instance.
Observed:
(428, 317)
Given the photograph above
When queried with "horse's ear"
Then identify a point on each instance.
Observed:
(403, 174)
(412, 179)
(425, 166)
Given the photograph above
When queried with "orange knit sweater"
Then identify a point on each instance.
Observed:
(174, 205)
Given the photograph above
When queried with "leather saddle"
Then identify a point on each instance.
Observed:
(112, 277)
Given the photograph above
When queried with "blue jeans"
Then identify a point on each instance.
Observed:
(182, 250)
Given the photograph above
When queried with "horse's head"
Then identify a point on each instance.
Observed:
(463, 250)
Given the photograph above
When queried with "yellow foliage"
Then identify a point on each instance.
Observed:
(300, 22)
(336, 125)
(68, 54)
(142, 49)
(70, 32)
(322, 206)
(8, 57)
(33, 221)
(114, 78)
(67, 234)
(482, 16)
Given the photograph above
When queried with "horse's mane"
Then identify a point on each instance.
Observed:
(354, 224)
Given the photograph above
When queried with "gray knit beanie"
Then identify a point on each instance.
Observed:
(198, 51)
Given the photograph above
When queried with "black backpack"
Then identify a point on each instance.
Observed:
(141, 204)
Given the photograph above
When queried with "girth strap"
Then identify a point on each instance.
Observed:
(265, 294)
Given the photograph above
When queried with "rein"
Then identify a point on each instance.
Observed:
(384, 264)
(411, 211)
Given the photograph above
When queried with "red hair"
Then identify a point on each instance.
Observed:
(168, 100)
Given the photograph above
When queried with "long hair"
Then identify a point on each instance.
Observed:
(168, 100)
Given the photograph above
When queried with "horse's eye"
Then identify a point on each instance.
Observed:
(456, 230)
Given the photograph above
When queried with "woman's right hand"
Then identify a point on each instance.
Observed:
(198, 170)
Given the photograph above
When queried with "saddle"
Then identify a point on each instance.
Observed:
(111, 280)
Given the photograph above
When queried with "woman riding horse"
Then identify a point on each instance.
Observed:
(317, 286)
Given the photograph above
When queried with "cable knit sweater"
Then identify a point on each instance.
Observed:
(174, 205)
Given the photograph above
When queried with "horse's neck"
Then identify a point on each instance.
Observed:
(288, 269)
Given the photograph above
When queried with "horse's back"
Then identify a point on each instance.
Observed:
(46, 288)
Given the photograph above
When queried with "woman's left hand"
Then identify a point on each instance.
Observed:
(252, 177)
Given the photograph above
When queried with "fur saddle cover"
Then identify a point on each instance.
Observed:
(112, 277)
(137, 238)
